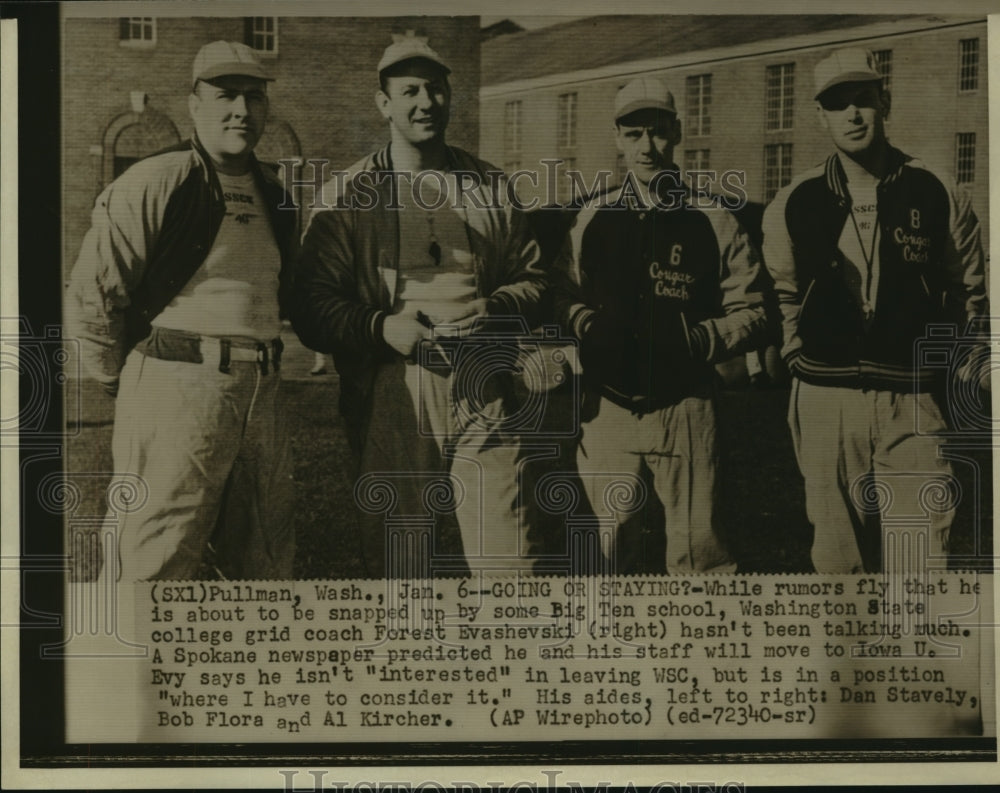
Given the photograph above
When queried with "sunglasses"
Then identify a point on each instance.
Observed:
(841, 100)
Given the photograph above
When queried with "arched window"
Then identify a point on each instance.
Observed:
(279, 142)
(132, 136)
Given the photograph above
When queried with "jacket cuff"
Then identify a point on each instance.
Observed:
(499, 304)
(701, 343)
(580, 320)
(376, 324)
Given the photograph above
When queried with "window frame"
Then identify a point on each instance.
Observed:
(566, 118)
(134, 43)
(962, 65)
(250, 32)
(883, 65)
(785, 90)
(965, 143)
(702, 107)
(779, 148)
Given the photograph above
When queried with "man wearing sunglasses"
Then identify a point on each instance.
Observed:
(418, 256)
(176, 298)
(866, 250)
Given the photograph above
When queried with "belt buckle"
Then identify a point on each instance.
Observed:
(277, 347)
(262, 356)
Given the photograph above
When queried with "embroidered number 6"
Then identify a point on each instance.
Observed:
(675, 255)
(914, 218)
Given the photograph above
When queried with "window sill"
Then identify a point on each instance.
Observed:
(137, 44)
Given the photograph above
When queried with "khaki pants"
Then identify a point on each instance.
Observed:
(677, 444)
(214, 454)
(859, 452)
(429, 449)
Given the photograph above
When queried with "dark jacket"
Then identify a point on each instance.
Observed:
(347, 279)
(930, 271)
(151, 229)
(668, 293)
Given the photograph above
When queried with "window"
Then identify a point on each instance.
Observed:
(968, 65)
(512, 128)
(567, 183)
(883, 65)
(137, 31)
(777, 168)
(261, 33)
(965, 157)
(566, 123)
(779, 97)
(696, 160)
(698, 119)
(131, 136)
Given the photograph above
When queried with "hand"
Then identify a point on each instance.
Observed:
(467, 316)
(975, 369)
(403, 332)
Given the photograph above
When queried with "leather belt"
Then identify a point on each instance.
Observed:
(178, 345)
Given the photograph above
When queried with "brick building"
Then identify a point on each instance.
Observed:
(126, 81)
(744, 91)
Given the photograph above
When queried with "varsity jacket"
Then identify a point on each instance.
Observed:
(151, 229)
(347, 279)
(672, 291)
(931, 270)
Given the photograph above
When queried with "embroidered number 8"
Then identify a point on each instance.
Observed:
(915, 218)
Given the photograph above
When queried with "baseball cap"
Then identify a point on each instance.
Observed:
(641, 94)
(406, 46)
(227, 57)
(845, 66)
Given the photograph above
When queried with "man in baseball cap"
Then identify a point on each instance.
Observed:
(866, 250)
(225, 58)
(176, 298)
(662, 290)
(398, 294)
(845, 66)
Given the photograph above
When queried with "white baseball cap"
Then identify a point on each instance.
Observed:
(406, 47)
(222, 58)
(644, 93)
(851, 65)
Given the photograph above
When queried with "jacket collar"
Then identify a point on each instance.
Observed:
(836, 179)
(211, 173)
(382, 159)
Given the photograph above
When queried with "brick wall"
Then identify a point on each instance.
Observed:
(324, 91)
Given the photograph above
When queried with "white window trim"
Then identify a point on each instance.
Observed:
(269, 53)
(979, 66)
(137, 44)
(701, 106)
(512, 122)
(958, 150)
(781, 98)
(567, 142)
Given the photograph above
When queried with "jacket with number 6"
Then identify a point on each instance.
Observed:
(670, 290)
(930, 262)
